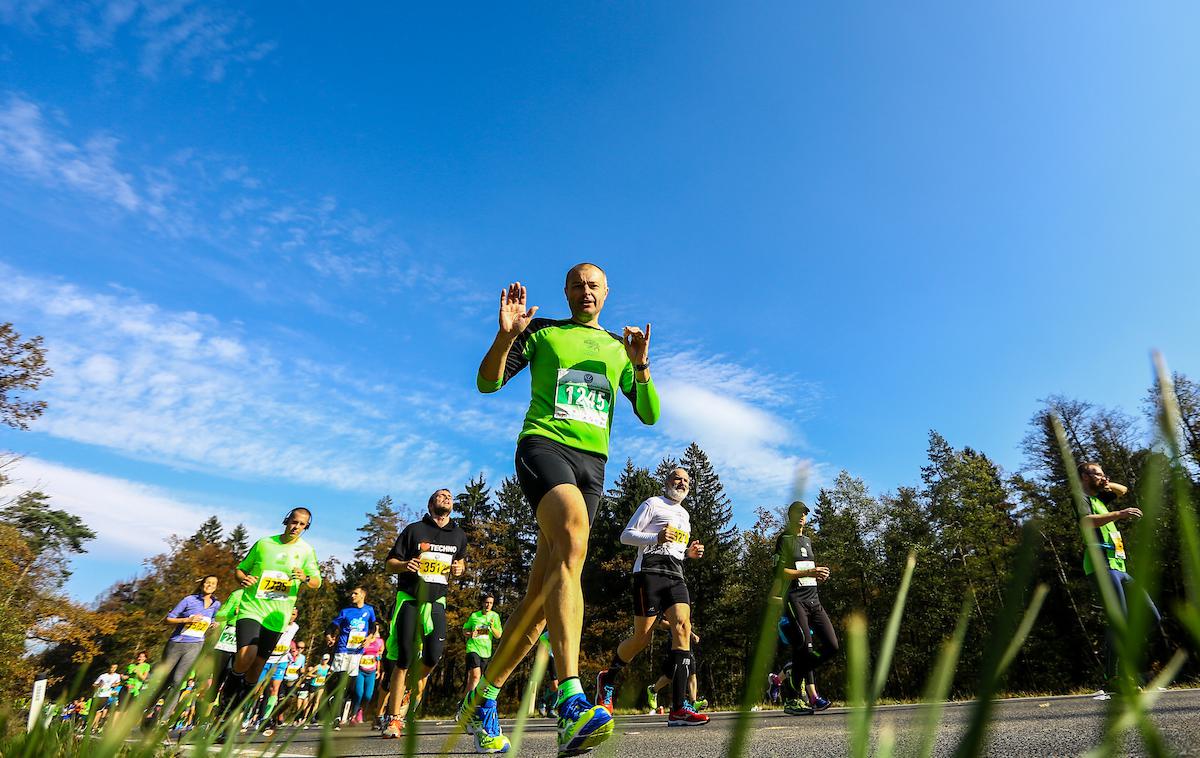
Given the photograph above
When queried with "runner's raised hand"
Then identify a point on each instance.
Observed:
(514, 316)
(637, 344)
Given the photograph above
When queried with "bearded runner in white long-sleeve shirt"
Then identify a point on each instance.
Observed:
(661, 530)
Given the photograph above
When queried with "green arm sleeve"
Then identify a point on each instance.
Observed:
(643, 396)
(486, 387)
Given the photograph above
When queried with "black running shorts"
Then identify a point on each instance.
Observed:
(543, 464)
(655, 593)
(251, 632)
(476, 661)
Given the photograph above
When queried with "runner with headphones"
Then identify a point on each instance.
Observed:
(271, 574)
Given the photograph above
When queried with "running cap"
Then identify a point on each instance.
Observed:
(325, 657)
(796, 511)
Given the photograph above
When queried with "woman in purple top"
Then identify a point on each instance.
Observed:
(191, 619)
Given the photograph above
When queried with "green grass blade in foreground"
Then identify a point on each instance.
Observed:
(938, 688)
(857, 664)
(764, 646)
(888, 648)
(1003, 630)
(1169, 424)
(1127, 719)
(1031, 613)
(887, 742)
(540, 661)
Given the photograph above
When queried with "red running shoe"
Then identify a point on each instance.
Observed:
(685, 716)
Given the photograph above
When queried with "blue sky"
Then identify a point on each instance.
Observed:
(264, 244)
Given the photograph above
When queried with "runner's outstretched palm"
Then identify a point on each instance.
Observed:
(514, 316)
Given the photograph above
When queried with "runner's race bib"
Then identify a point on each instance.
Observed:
(356, 639)
(281, 648)
(583, 396)
(228, 640)
(806, 581)
(434, 568)
(195, 628)
(1118, 545)
(677, 535)
(274, 585)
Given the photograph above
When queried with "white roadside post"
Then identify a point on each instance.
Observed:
(36, 700)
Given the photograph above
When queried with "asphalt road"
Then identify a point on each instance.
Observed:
(1056, 726)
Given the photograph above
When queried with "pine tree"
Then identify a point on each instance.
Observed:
(716, 615)
(608, 576)
(516, 538)
(238, 542)
(209, 533)
(474, 503)
(379, 533)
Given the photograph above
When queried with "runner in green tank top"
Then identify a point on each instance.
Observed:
(1100, 527)
(481, 627)
(576, 370)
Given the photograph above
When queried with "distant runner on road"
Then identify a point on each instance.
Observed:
(808, 624)
(661, 529)
(480, 628)
(576, 370)
(1101, 524)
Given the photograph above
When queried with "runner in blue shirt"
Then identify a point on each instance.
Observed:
(347, 634)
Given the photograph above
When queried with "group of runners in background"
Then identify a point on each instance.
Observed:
(577, 369)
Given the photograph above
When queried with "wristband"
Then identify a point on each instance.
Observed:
(641, 367)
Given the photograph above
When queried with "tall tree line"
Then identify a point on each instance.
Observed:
(961, 516)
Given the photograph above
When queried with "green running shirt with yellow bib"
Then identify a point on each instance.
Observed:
(1110, 541)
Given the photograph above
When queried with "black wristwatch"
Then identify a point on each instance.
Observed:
(641, 367)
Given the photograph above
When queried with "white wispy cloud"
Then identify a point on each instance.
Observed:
(747, 420)
(29, 149)
(133, 520)
(276, 242)
(182, 37)
(185, 389)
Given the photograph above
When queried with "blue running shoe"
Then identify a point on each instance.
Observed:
(480, 720)
(488, 737)
(818, 703)
(581, 725)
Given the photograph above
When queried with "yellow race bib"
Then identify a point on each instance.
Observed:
(434, 568)
(195, 628)
(274, 585)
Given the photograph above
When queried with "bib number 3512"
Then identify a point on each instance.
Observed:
(583, 396)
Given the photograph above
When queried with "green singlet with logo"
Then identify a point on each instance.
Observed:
(488, 621)
(575, 371)
(270, 601)
(1111, 543)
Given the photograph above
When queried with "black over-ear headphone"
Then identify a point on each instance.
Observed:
(292, 512)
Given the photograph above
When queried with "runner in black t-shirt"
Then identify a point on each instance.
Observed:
(802, 605)
(426, 553)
